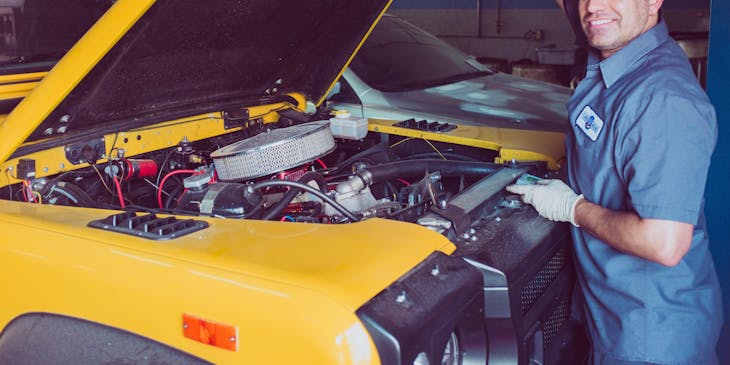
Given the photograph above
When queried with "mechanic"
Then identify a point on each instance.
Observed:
(638, 154)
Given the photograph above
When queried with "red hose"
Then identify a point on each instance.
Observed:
(159, 188)
(119, 191)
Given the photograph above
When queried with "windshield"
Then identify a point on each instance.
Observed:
(399, 56)
(37, 33)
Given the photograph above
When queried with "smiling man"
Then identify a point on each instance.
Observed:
(643, 132)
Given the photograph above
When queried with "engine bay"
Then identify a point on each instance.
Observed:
(284, 171)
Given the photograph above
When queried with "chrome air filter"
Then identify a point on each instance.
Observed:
(273, 151)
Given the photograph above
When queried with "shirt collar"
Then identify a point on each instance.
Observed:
(613, 67)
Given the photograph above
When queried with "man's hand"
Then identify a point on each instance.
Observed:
(552, 199)
(662, 241)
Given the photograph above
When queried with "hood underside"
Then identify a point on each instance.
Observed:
(193, 56)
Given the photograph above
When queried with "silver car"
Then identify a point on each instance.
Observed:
(403, 72)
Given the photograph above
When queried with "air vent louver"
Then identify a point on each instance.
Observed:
(148, 226)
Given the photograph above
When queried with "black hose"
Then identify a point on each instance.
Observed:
(309, 189)
(292, 193)
(361, 156)
(73, 193)
(173, 195)
(418, 168)
(61, 177)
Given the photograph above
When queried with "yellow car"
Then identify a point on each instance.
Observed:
(174, 192)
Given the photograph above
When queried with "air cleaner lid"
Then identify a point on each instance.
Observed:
(270, 152)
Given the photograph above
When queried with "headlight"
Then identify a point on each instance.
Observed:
(421, 359)
(452, 354)
(432, 315)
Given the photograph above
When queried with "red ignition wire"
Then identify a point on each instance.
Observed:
(119, 191)
(162, 183)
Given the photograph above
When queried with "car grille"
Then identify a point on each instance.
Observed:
(536, 287)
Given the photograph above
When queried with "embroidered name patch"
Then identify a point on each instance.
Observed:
(589, 122)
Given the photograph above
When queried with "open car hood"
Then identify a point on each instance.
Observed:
(181, 58)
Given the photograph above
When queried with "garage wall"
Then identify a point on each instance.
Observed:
(717, 195)
(513, 29)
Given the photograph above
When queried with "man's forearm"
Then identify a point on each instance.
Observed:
(661, 241)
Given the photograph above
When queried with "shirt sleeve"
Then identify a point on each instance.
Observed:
(664, 155)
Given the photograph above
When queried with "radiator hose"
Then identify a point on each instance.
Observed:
(388, 171)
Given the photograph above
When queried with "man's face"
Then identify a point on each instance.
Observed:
(609, 25)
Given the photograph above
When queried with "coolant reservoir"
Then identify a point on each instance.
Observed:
(344, 125)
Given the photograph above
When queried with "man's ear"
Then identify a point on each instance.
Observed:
(654, 6)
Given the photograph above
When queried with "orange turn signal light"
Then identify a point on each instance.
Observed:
(210, 333)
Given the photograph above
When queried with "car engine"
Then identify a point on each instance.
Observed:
(297, 173)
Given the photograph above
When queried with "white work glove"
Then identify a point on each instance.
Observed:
(552, 199)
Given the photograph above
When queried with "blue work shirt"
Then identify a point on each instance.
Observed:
(643, 131)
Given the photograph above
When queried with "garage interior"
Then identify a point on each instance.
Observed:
(532, 38)
(526, 38)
